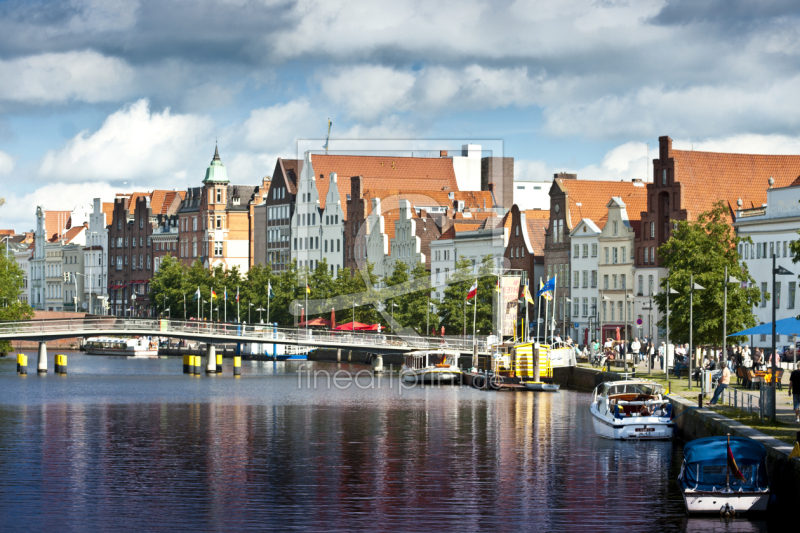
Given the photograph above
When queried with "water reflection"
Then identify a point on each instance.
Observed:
(160, 451)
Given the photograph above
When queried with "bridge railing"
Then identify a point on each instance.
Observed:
(250, 332)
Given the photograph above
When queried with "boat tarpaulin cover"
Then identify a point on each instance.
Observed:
(705, 465)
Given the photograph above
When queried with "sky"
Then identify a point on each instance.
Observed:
(106, 96)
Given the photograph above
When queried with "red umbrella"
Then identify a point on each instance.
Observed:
(617, 334)
(320, 322)
(351, 326)
(442, 331)
(586, 336)
(333, 319)
(373, 327)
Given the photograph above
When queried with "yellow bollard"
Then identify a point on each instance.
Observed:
(57, 368)
(19, 358)
(63, 365)
(23, 364)
(197, 364)
(219, 363)
(237, 365)
(186, 364)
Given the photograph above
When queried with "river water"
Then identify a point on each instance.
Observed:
(138, 445)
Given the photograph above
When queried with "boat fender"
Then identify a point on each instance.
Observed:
(727, 511)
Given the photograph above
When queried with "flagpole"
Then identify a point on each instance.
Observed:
(225, 311)
(555, 307)
(546, 318)
(199, 297)
(728, 470)
(525, 335)
(474, 317)
(237, 304)
(538, 310)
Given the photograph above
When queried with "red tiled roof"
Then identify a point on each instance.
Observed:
(707, 177)
(292, 169)
(542, 214)
(54, 223)
(384, 173)
(72, 233)
(536, 228)
(594, 196)
(108, 210)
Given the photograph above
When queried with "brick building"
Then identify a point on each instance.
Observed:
(525, 248)
(279, 206)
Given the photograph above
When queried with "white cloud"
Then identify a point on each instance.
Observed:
(626, 162)
(277, 127)
(60, 77)
(6, 163)
(133, 143)
(744, 144)
(20, 209)
(369, 90)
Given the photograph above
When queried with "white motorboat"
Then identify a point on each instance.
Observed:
(431, 366)
(631, 410)
(725, 476)
(137, 347)
(541, 386)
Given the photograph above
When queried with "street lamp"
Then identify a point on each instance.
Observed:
(692, 287)
(249, 305)
(259, 313)
(728, 279)
(217, 310)
(776, 271)
(167, 310)
(393, 306)
(666, 352)
(649, 310)
(428, 316)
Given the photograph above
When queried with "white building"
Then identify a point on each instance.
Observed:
(332, 227)
(584, 262)
(467, 168)
(377, 241)
(405, 246)
(772, 228)
(95, 258)
(22, 254)
(306, 219)
(74, 295)
(615, 270)
(532, 195)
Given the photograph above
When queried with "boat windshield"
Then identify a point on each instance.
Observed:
(644, 389)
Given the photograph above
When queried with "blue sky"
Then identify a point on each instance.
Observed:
(105, 96)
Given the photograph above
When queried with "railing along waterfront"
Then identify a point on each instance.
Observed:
(230, 332)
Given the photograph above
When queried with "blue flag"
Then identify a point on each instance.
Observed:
(547, 287)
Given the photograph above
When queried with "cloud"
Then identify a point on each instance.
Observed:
(277, 127)
(20, 209)
(625, 162)
(744, 144)
(6, 163)
(132, 143)
(84, 76)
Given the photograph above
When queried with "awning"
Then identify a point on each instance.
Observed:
(320, 322)
(786, 326)
(351, 326)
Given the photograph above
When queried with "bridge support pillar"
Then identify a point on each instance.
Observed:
(211, 367)
(42, 366)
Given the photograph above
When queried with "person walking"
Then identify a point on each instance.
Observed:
(662, 353)
(794, 391)
(724, 381)
(636, 349)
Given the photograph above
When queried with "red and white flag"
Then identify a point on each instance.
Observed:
(473, 290)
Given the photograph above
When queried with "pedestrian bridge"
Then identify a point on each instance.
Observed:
(223, 333)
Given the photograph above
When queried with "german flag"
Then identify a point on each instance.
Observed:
(734, 468)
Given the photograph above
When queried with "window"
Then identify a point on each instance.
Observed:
(316, 241)
(641, 285)
(646, 255)
(614, 279)
(777, 295)
(614, 226)
(119, 262)
(219, 196)
(650, 286)
(126, 262)
(771, 249)
(652, 254)
(522, 251)
(446, 274)
(763, 295)
(326, 245)
(664, 177)
(219, 222)
(577, 282)
(141, 241)
(605, 281)
(785, 248)
(623, 256)
(576, 308)
(561, 230)
(652, 230)
(437, 276)
(585, 279)
(217, 248)
(619, 311)
(605, 251)
(624, 281)
(577, 251)
(629, 312)
(594, 250)
(790, 296)
(585, 250)
(194, 223)
(612, 311)
(148, 261)
(126, 242)
(141, 223)
(338, 245)
(555, 231)
(616, 258)
(585, 308)
(594, 279)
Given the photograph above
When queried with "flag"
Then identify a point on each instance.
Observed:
(497, 287)
(308, 289)
(732, 463)
(270, 294)
(527, 295)
(545, 289)
(225, 294)
(237, 294)
(213, 294)
(473, 290)
(197, 293)
(328, 137)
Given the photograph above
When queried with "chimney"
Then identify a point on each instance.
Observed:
(664, 149)
(565, 176)
(442, 153)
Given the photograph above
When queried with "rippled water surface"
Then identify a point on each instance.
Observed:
(137, 445)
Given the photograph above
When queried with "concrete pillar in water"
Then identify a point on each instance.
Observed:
(211, 367)
(237, 365)
(377, 364)
(42, 367)
(338, 355)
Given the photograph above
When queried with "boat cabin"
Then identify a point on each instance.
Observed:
(427, 359)
(630, 398)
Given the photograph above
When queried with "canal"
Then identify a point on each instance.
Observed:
(136, 444)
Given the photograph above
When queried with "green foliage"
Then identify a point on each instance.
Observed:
(704, 248)
(11, 283)
(794, 248)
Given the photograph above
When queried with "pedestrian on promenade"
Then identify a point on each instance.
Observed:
(794, 391)
(724, 381)
(662, 353)
(636, 348)
(758, 359)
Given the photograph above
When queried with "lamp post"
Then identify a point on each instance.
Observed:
(428, 316)
(649, 310)
(167, 310)
(728, 279)
(393, 306)
(217, 310)
(249, 305)
(692, 287)
(259, 313)
(666, 352)
(776, 271)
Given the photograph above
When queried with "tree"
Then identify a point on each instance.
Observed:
(11, 281)
(704, 248)
(794, 248)
(452, 307)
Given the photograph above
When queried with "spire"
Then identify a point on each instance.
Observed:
(216, 170)
(216, 153)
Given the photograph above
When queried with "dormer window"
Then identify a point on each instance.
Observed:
(219, 196)
(236, 201)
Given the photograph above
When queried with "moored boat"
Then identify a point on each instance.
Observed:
(136, 347)
(631, 410)
(431, 366)
(723, 475)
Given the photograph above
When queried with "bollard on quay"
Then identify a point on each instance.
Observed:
(237, 365)
(187, 364)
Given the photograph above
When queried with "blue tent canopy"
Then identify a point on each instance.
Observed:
(705, 465)
(786, 326)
